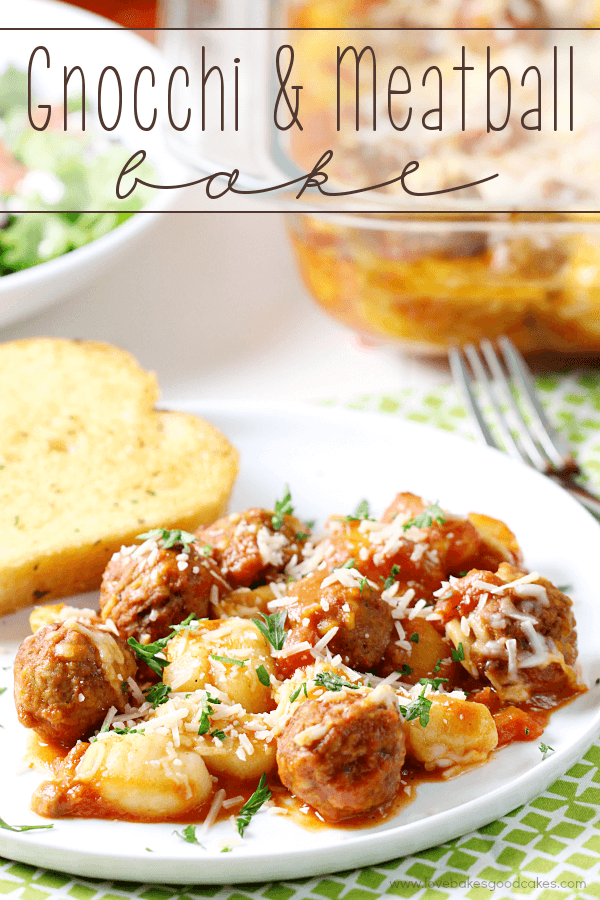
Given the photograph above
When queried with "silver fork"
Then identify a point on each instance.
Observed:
(532, 440)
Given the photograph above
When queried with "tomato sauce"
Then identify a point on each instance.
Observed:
(513, 724)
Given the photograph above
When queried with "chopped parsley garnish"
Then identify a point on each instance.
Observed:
(414, 637)
(282, 508)
(207, 710)
(125, 687)
(272, 627)
(545, 750)
(310, 525)
(8, 827)
(252, 806)
(418, 709)
(434, 682)
(148, 652)
(462, 574)
(189, 834)
(228, 659)
(349, 564)
(363, 584)
(405, 670)
(390, 579)
(527, 731)
(206, 550)
(170, 538)
(431, 514)
(564, 588)
(437, 666)
(263, 676)
(189, 624)
(226, 849)
(219, 734)
(458, 655)
(298, 691)
(333, 682)
(118, 730)
(362, 512)
(158, 694)
(204, 724)
(302, 536)
(2, 691)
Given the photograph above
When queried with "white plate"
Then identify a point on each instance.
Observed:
(332, 459)
(22, 293)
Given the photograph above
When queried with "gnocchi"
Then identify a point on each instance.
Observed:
(243, 747)
(226, 654)
(338, 664)
(457, 736)
(144, 776)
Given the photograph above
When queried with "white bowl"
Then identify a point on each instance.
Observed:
(23, 293)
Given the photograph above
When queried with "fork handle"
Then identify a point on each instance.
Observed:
(590, 501)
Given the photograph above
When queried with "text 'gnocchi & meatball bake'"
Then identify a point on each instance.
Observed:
(250, 666)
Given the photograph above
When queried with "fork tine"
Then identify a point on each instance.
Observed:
(532, 453)
(553, 444)
(462, 379)
(490, 390)
(560, 464)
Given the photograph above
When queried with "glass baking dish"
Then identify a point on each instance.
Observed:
(411, 274)
(429, 283)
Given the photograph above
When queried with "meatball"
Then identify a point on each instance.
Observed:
(67, 676)
(147, 589)
(344, 754)
(345, 600)
(249, 549)
(517, 631)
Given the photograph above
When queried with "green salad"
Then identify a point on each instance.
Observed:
(50, 173)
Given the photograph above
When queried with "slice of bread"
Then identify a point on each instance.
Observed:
(87, 463)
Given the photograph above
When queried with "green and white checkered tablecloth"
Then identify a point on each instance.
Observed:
(541, 850)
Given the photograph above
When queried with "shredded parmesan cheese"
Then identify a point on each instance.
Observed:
(213, 812)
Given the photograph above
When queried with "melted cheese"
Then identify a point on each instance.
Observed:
(111, 655)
